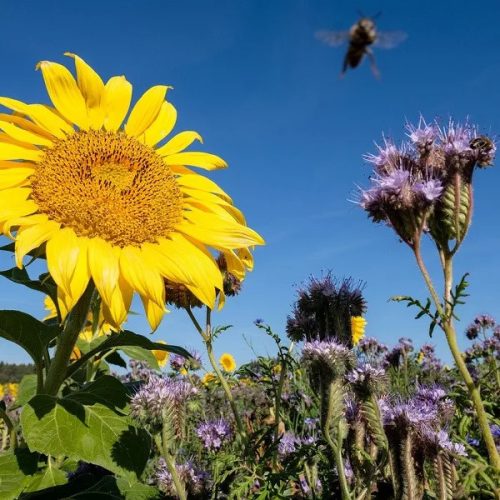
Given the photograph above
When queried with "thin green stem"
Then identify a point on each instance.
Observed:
(162, 444)
(451, 337)
(66, 342)
(207, 339)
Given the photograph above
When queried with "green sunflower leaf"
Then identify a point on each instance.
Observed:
(93, 432)
(27, 332)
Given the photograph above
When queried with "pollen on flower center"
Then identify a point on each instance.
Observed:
(108, 185)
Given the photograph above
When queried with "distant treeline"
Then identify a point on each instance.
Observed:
(14, 373)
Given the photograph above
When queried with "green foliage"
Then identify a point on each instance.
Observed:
(27, 332)
(88, 425)
(11, 372)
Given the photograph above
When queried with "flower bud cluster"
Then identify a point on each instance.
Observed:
(424, 183)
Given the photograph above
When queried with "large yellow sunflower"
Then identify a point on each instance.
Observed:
(114, 203)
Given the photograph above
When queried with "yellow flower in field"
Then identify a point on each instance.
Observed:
(358, 325)
(2, 391)
(420, 357)
(161, 356)
(114, 203)
(208, 378)
(277, 369)
(183, 371)
(13, 390)
(227, 362)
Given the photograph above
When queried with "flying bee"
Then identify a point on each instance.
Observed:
(360, 37)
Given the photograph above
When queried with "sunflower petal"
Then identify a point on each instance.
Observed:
(198, 266)
(15, 152)
(20, 134)
(104, 268)
(201, 183)
(141, 275)
(32, 237)
(41, 115)
(115, 312)
(24, 221)
(206, 161)
(146, 110)
(218, 233)
(26, 125)
(64, 93)
(116, 101)
(154, 312)
(179, 142)
(90, 83)
(63, 253)
(11, 177)
(234, 265)
(161, 126)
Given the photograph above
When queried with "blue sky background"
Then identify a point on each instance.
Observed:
(251, 78)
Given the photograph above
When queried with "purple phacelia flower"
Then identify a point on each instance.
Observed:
(287, 444)
(214, 433)
(388, 154)
(495, 431)
(431, 189)
(178, 362)
(158, 393)
(422, 136)
(473, 442)
(327, 354)
(311, 423)
(485, 321)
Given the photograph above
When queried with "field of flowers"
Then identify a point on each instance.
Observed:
(114, 210)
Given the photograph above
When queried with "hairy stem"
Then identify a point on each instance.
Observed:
(66, 342)
(451, 337)
(329, 420)
(163, 444)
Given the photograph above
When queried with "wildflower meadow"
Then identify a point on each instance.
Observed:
(103, 190)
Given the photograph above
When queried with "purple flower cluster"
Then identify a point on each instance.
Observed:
(149, 402)
(400, 350)
(327, 354)
(214, 433)
(372, 348)
(481, 323)
(408, 181)
(287, 444)
(440, 440)
(366, 378)
(194, 479)
(178, 362)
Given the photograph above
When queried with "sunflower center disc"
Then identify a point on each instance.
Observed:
(108, 185)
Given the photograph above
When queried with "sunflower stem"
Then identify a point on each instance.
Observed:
(66, 342)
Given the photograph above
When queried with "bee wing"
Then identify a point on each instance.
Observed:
(332, 38)
(389, 39)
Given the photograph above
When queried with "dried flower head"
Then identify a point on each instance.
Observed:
(324, 309)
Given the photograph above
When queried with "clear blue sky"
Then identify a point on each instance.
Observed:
(251, 78)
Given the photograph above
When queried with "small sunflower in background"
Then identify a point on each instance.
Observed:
(227, 362)
(112, 202)
(358, 325)
(208, 378)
